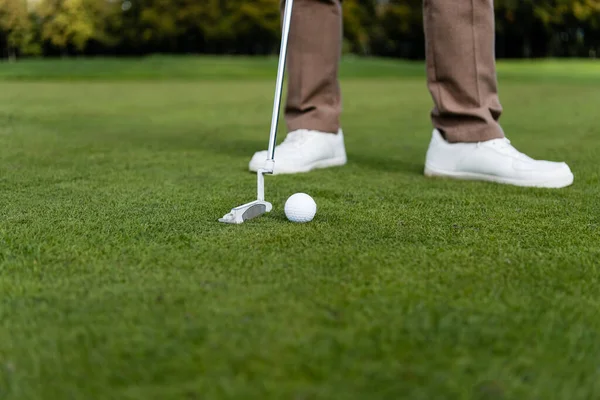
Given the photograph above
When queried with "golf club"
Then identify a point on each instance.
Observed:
(258, 207)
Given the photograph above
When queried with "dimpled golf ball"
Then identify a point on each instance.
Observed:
(300, 207)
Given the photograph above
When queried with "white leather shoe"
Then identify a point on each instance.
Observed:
(303, 151)
(494, 161)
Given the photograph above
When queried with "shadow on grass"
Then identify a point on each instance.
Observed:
(245, 147)
(237, 147)
(382, 163)
(217, 142)
(213, 142)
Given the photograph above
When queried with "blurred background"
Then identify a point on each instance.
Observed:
(384, 28)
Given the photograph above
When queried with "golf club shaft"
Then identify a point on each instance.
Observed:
(287, 19)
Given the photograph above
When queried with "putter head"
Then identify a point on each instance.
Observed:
(256, 208)
(246, 212)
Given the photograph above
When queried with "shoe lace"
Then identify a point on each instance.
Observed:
(295, 139)
(502, 145)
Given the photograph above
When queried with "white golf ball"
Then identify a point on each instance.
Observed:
(300, 207)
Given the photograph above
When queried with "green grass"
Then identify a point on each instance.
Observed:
(256, 68)
(117, 282)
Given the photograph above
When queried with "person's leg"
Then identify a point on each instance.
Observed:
(461, 70)
(468, 142)
(313, 105)
(315, 43)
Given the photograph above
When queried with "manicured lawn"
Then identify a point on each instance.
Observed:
(117, 281)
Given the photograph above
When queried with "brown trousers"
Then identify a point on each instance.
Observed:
(461, 70)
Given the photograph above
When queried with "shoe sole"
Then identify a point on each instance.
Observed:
(328, 163)
(557, 183)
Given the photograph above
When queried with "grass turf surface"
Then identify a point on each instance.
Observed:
(117, 281)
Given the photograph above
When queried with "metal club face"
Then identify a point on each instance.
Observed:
(246, 212)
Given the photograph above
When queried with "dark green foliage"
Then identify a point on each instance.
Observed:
(526, 28)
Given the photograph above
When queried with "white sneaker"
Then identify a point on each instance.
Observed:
(303, 151)
(495, 161)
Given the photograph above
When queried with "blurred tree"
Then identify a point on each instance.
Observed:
(15, 23)
(519, 32)
(239, 26)
(65, 22)
(571, 23)
(360, 18)
(525, 28)
(399, 31)
(106, 20)
(257, 25)
(559, 11)
(546, 28)
(158, 21)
